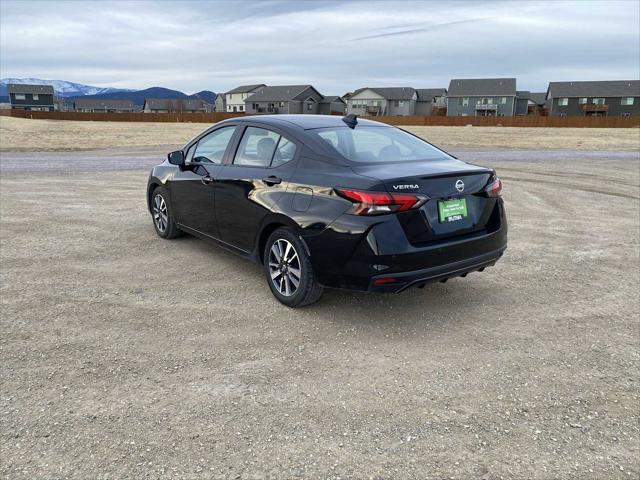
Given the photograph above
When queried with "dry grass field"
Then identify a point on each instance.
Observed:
(17, 134)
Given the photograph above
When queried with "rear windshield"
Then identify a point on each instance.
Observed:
(378, 144)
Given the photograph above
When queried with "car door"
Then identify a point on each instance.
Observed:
(193, 186)
(249, 187)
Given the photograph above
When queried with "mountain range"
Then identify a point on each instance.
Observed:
(70, 90)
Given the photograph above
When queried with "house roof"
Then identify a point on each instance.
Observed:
(331, 99)
(390, 93)
(103, 104)
(470, 87)
(539, 98)
(428, 94)
(246, 88)
(174, 103)
(27, 88)
(279, 93)
(607, 88)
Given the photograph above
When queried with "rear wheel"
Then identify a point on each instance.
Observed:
(163, 220)
(289, 271)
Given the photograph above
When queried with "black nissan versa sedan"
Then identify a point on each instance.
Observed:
(324, 201)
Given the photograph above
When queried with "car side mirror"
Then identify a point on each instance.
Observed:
(176, 158)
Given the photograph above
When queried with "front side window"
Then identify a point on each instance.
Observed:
(465, 101)
(582, 100)
(626, 101)
(263, 148)
(598, 101)
(503, 100)
(211, 148)
(20, 96)
(36, 96)
(378, 144)
(563, 102)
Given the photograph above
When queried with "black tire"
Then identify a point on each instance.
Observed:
(162, 214)
(294, 265)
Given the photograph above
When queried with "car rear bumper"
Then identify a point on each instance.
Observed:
(345, 260)
(397, 282)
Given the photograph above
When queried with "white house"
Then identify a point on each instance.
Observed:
(235, 99)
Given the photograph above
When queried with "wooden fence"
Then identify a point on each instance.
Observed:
(528, 121)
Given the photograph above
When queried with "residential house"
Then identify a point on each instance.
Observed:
(220, 103)
(235, 99)
(597, 99)
(332, 105)
(31, 97)
(175, 105)
(102, 105)
(482, 97)
(347, 96)
(383, 101)
(431, 101)
(284, 99)
(538, 103)
(522, 102)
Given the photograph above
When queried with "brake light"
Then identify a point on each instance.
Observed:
(494, 188)
(379, 203)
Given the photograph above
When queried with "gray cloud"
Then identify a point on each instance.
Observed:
(336, 46)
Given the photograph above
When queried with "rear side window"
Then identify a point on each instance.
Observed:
(284, 153)
(211, 148)
(378, 145)
(260, 147)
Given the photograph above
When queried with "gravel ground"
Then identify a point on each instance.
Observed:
(127, 356)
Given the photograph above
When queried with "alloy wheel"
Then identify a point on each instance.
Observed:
(160, 216)
(284, 267)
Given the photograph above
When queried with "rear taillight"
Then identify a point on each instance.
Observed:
(379, 203)
(494, 188)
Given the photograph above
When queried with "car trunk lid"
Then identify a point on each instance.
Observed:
(440, 181)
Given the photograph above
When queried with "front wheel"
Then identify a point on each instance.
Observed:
(289, 271)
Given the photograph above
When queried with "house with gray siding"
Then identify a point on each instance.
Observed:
(522, 102)
(482, 97)
(371, 101)
(175, 105)
(220, 103)
(430, 101)
(332, 105)
(284, 99)
(235, 98)
(594, 99)
(102, 106)
(31, 97)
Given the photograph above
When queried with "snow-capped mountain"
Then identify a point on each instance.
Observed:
(61, 87)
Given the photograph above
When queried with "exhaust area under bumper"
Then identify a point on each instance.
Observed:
(398, 282)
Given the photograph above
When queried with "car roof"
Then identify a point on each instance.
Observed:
(305, 121)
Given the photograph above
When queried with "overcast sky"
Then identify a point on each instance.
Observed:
(335, 46)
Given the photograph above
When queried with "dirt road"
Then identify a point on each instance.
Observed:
(127, 356)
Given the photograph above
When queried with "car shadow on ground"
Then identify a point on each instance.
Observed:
(358, 307)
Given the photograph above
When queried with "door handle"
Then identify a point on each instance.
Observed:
(207, 180)
(272, 180)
